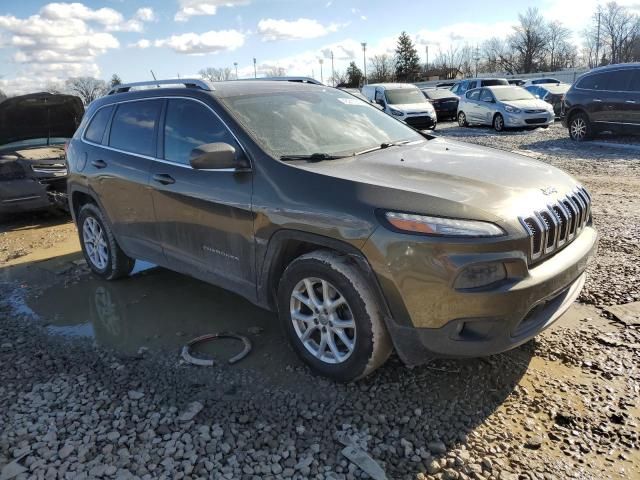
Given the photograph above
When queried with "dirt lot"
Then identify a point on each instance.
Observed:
(91, 385)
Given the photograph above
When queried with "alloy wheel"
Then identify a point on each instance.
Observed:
(462, 119)
(95, 243)
(578, 128)
(323, 320)
(498, 123)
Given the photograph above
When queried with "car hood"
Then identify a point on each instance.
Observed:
(39, 115)
(527, 104)
(412, 107)
(483, 183)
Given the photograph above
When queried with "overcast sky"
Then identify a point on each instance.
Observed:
(45, 42)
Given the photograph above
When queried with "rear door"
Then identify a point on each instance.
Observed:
(471, 106)
(617, 84)
(203, 217)
(486, 106)
(118, 171)
(633, 101)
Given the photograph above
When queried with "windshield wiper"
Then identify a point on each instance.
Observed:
(382, 146)
(314, 157)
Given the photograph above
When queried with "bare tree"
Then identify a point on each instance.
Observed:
(453, 62)
(216, 74)
(55, 88)
(87, 88)
(529, 40)
(275, 72)
(381, 68)
(339, 78)
(618, 33)
(561, 53)
(499, 57)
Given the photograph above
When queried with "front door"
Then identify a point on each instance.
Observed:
(118, 164)
(204, 218)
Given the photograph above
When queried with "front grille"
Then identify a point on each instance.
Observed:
(49, 167)
(419, 122)
(535, 110)
(534, 121)
(556, 226)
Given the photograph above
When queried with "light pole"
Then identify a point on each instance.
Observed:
(321, 75)
(235, 64)
(333, 74)
(364, 60)
(255, 72)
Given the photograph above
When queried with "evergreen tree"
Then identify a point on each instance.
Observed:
(115, 80)
(354, 75)
(407, 59)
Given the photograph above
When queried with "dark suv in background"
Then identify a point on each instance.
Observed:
(604, 99)
(361, 232)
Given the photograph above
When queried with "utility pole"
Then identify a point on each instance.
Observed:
(477, 59)
(235, 64)
(426, 64)
(255, 72)
(321, 74)
(598, 41)
(333, 73)
(364, 61)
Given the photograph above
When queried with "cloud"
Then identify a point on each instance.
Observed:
(192, 8)
(145, 14)
(142, 43)
(302, 28)
(201, 43)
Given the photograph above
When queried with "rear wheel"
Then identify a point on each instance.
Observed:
(498, 123)
(331, 316)
(462, 120)
(101, 251)
(580, 128)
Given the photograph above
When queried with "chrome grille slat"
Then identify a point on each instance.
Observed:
(552, 228)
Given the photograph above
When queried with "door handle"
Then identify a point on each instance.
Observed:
(99, 163)
(630, 101)
(597, 100)
(163, 178)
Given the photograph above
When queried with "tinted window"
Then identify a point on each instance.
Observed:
(437, 93)
(635, 81)
(616, 81)
(486, 96)
(494, 81)
(474, 95)
(98, 124)
(133, 127)
(189, 125)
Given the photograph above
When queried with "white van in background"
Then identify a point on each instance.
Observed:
(404, 101)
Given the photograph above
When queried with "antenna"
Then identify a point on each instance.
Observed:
(154, 77)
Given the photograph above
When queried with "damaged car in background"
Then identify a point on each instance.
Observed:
(34, 129)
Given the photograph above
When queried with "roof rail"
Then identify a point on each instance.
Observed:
(187, 82)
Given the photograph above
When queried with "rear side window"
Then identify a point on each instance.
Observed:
(133, 127)
(95, 130)
(189, 125)
(635, 81)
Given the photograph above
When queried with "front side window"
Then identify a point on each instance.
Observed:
(473, 95)
(315, 120)
(96, 128)
(133, 127)
(486, 96)
(189, 125)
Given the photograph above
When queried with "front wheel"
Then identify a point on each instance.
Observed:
(331, 316)
(580, 128)
(101, 251)
(498, 123)
(462, 120)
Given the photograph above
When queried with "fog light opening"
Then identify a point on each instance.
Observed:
(481, 275)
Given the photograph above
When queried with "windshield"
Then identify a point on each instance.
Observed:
(316, 120)
(404, 96)
(511, 94)
(555, 89)
(34, 142)
(438, 93)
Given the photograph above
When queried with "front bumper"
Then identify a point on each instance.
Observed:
(515, 120)
(29, 194)
(420, 122)
(433, 319)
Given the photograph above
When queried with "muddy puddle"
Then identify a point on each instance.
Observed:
(160, 310)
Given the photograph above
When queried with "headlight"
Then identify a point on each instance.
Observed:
(397, 113)
(510, 109)
(439, 226)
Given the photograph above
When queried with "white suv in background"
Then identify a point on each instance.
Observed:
(404, 101)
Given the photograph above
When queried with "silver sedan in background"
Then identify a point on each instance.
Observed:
(503, 107)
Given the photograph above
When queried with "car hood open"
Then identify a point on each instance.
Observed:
(39, 115)
(478, 179)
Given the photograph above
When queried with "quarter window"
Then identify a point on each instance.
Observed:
(133, 127)
(189, 125)
(96, 128)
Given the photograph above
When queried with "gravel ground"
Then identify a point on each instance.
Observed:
(565, 405)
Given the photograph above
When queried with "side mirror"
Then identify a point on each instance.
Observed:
(380, 102)
(217, 156)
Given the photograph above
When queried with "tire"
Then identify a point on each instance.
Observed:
(360, 313)
(434, 127)
(101, 251)
(462, 120)
(498, 123)
(580, 127)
